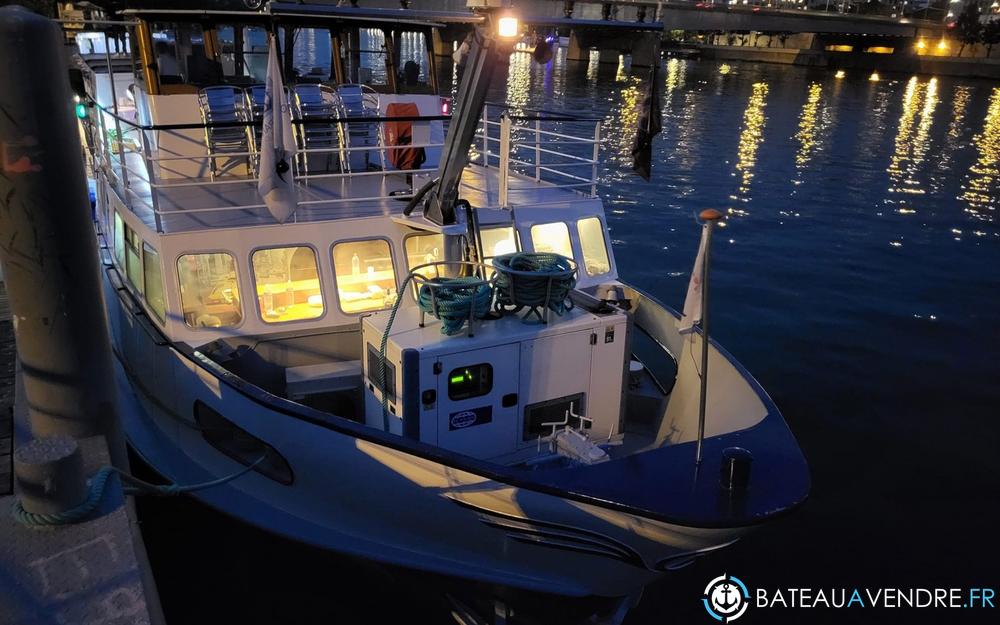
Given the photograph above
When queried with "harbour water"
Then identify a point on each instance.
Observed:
(857, 277)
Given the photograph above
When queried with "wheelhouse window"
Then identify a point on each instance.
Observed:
(133, 262)
(210, 295)
(553, 237)
(152, 276)
(119, 236)
(595, 251)
(498, 241)
(309, 66)
(179, 54)
(422, 249)
(366, 279)
(242, 53)
(287, 282)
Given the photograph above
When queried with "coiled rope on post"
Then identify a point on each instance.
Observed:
(453, 299)
(552, 279)
(98, 486)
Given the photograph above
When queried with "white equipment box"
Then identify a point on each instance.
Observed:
(488, 395)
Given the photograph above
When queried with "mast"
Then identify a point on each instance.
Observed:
(491, 44)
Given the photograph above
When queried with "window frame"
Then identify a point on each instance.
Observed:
(569, 235)
(319, 277)
(607, 246)
(395, 271)
(145, 287)
(512, 228)
(180, 296)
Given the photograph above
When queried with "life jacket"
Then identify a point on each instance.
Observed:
(400, 134)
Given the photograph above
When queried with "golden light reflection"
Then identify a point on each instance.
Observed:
(519, 81)
(959, 105)
(980, 191)
(912, 137)
(806, 135)
(751, 136)
(675, 74)
(627, 118)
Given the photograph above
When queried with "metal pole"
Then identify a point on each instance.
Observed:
(47, 241)
(709, 216)
(504, 159)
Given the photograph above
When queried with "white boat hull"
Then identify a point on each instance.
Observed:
(358, 497)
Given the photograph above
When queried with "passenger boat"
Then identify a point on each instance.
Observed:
(554, 453)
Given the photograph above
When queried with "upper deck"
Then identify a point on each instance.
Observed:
(181, 177)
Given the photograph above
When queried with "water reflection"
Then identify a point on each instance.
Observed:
(751, 136)
(912, 142)
(806, 135)
(519, 82)
(980, 191)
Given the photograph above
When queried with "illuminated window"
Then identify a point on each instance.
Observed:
(133, 263)
(552, 237)
(365, 276)
(152, 277)
(879, 50)
(422, 249)
(840, 48)
(210, 297)
(119, 240)
(595, 253)
(498, 241)
(287, 282)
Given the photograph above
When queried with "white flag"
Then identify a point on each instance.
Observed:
(277, 148)
(692, 303)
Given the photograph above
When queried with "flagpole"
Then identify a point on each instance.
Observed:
(709, 216)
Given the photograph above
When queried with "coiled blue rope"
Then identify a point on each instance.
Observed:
(553, 279)
(454, 298)
(98, 486)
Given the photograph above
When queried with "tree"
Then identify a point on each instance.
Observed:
(968, 27)
(991, 35)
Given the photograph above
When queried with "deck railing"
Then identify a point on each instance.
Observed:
(557, 150)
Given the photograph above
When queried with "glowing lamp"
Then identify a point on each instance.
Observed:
(874, 77)
(840, 74)
(507, 27)
(81, 110)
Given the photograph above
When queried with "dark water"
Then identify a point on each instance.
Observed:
(857, 277)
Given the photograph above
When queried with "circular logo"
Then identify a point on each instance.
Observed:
(726, 598)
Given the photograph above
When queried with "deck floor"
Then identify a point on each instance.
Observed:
(232, 201)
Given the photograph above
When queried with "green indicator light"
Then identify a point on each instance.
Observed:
(81, 110)
(457, 379)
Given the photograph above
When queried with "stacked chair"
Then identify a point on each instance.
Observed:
(226, 104)
(318, 101)
(361, 101)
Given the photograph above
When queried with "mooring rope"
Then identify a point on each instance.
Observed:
(550, 285)
(98, 486)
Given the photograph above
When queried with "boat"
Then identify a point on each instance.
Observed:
(552, 445)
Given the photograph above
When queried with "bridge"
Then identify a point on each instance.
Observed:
(635, 27)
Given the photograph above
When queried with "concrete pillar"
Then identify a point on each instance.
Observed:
(609, 55)
(47, 242)
(646, 49)
(575, 51)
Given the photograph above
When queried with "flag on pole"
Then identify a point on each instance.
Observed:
(650, 125)
(277, 149)
(692, 302)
